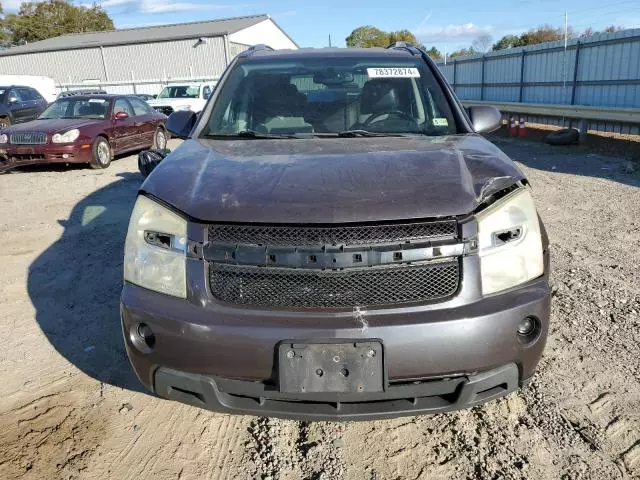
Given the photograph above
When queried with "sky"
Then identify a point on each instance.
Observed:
(445, 24)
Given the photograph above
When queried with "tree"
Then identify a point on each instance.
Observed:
(588, 32)
(612, 29)
(39, 21)
(366, 37)
(463, 52)
(508, 41)
(542, 34)
(403, 36)
(483, 43)
(434, 53)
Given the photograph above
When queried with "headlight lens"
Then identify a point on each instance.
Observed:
(183, 107)
(67, 137)
(155, 249)
(4, 138)
(509, 242)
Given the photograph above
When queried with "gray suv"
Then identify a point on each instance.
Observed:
(335, 240)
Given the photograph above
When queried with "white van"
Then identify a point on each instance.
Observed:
(46, 86)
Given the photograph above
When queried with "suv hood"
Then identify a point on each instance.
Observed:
(172, 102)
(325, 180)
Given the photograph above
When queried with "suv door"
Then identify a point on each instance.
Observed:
(124, 131)
(17, 106)
(144, 122)
(31, 100)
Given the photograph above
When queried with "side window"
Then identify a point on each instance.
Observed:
(122, 105)
(206, 92)
(13, 93)
(139, 107)
(25, 94)
(35, 94)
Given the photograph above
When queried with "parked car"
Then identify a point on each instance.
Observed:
(75, 93)
(45, 86)
(335, 240)
(145, 96)
(83, 129)
(173, 98)
(19, 104)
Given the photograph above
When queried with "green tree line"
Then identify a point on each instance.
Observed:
(369, 36)
(41, 20)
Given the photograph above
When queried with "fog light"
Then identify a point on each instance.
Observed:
(146, 334)
(526, 326)
(142, 337)
(65, 155)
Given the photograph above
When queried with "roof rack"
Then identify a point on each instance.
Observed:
(405, 46)
(256, 48)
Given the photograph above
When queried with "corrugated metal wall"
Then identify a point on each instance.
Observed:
(148, 61)
(607, 75)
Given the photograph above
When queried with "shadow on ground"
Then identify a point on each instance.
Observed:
(75, 284)
(574, 160)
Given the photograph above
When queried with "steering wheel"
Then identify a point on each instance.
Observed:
(396, 113)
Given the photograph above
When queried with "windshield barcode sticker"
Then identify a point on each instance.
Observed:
(393, 72)
(440, 122)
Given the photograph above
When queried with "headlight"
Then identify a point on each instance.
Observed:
(509, 243)
(67, 137)
(183, 107)
(4, 138)
(155, 249)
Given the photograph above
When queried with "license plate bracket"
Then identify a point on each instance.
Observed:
(344, 367)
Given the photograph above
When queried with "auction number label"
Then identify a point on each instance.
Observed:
(393, 72)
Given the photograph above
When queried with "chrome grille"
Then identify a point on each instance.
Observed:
(28, 138)
(296, 288)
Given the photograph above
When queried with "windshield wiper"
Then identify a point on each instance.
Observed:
(249, 134)
(366, 133)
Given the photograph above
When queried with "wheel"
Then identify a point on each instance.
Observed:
(100, 153)
(4, 122)
(160, 139)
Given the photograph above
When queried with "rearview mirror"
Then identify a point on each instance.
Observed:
(121, 116)
(485, 118)
(181, 123)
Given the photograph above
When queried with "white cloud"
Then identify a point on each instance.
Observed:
(160, 6)
(464, 31)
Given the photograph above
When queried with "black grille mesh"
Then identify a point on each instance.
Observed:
(342, 235)
(282, 287)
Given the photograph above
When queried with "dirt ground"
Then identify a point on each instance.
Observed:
(70, 406)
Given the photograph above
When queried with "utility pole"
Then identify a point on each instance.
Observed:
(566, 38)
(330, 41)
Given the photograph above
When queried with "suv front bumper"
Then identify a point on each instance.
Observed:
(436, 358)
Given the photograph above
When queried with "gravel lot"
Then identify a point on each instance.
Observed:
(70, 406)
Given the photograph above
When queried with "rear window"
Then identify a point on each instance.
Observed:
(331, 95)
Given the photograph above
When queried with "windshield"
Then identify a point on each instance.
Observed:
(328, 95)
(179, 91)
(94, 108)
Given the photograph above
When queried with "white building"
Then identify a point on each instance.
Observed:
(145, 57)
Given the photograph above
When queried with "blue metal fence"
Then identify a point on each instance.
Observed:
(602, 70)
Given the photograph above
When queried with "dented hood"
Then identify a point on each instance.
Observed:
(327, 180)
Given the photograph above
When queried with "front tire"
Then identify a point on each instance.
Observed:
(100, 154)
(160, 139)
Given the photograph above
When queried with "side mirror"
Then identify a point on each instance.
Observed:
(13, 100)
(485, 118)
(121, 116)
(181, 123)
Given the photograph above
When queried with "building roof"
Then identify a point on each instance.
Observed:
(159, 33)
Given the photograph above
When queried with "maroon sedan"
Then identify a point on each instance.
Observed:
(83, 129)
